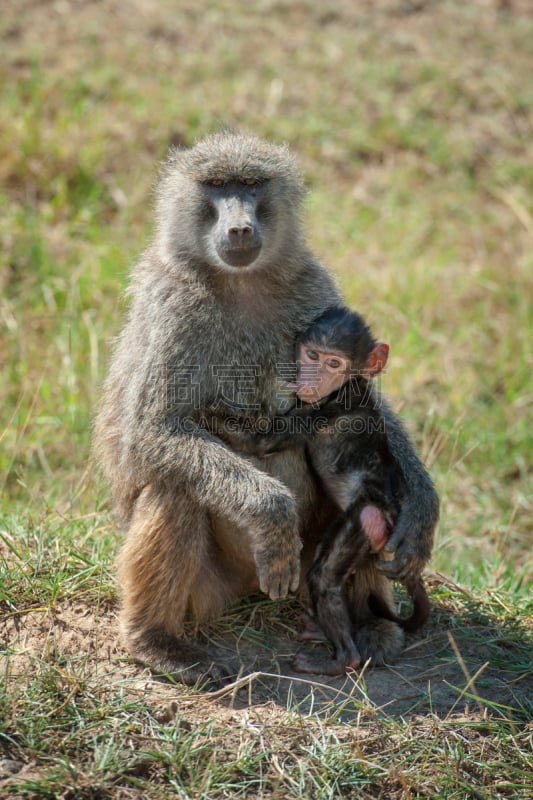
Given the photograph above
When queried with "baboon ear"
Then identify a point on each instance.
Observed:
(376, 360)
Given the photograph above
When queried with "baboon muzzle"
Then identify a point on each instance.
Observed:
(238, 241)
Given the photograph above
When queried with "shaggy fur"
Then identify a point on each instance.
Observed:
(204, 525)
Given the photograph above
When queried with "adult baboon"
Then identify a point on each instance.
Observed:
(218, 300)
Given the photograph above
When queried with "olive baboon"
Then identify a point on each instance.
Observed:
(218, 299)
(341, 426)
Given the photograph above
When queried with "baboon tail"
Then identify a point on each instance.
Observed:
(421, 607)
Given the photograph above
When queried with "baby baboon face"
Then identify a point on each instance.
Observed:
(338, 345)
(319, 372)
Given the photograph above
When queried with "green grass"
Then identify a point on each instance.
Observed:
(413, 125)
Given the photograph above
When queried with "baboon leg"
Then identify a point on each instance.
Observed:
(343, 582)
(379, 640)
(346, 556)
(343, 546)
(311, 631)
(167, 574)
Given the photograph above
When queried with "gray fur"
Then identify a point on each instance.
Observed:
(203, 524)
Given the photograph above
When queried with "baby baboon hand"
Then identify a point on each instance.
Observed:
(412, 538)
(400, 565)
(279, 569)
(404, 556)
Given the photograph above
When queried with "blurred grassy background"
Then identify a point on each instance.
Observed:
(413, 125)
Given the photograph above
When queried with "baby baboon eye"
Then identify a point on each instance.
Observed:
(334, 363)
(312, 354)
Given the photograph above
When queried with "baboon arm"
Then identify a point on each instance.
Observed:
(226, 484)
(412, 539)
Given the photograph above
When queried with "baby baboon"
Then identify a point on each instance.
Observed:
(345, 439)
(217, 301)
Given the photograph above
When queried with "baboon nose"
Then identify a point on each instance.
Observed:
(240, 231)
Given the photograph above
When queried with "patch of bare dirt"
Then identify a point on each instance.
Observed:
(455, 665)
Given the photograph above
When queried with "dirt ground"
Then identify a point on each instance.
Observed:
(457, 660)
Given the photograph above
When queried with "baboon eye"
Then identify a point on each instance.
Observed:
(334, 363)
(312, 354)
(217, 182)
(250, 182)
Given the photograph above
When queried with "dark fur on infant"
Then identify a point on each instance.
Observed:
(343, 430)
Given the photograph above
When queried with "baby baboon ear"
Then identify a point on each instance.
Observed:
(377, 359)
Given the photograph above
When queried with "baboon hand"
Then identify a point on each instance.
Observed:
(276, 542)
(407, 550)
(404, 565)
(279, 570)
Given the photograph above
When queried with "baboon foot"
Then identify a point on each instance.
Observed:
(311, 631)
(324, 665)
(180, 661)
(380, 640)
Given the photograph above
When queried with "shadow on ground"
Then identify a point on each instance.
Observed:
(462, 662)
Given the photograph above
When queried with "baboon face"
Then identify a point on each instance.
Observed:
(234, 210)
(231, 203)
(319, 372)
(338, 345)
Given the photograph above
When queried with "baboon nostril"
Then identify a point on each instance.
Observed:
(241, 230)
